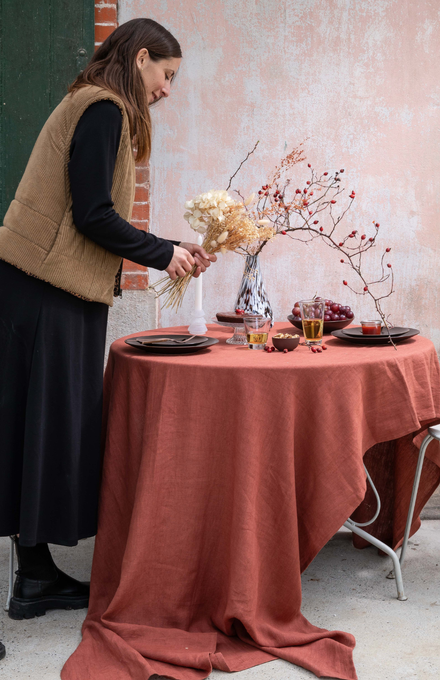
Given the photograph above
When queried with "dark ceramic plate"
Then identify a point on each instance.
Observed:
(328, 325)
(357, 332)
(374, 339)
(200, 342)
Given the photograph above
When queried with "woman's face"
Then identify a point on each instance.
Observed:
(156, 75)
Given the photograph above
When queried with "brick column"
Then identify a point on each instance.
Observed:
(134, 276)
(106, 19)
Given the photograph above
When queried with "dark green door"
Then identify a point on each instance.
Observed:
(43, 46)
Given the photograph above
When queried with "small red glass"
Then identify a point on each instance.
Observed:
(371, 327)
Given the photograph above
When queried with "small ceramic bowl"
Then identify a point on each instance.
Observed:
(285, 343)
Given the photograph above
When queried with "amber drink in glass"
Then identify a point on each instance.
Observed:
(312, 317)
(257, 331)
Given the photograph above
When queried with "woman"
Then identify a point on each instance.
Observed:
(60, 262)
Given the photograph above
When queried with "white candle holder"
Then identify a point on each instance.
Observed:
(198, 322)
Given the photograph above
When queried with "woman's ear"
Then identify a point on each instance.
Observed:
(142, 58)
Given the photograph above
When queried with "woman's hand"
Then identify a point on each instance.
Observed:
(181, 263)
(199, 255)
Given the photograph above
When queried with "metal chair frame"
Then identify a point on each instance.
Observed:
(355, 527)
(433, 433)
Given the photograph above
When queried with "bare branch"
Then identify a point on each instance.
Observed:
(242, 163)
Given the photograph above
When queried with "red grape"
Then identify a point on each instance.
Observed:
(349, 314)
(335, 308)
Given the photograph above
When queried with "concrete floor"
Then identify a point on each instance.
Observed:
(343, 589)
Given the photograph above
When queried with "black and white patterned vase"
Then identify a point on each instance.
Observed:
(252, 296)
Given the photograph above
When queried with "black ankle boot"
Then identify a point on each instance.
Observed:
(2, 651)
(40, 585)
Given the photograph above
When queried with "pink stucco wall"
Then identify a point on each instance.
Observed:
(360, 81)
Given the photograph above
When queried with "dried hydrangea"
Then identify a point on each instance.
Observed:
(206, 208)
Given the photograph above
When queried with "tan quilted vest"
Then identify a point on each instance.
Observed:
(39, 235)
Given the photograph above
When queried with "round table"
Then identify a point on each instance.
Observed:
(225, 472)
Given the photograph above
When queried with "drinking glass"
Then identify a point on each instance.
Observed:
(312, 317)
(257, 331)
(371, 327)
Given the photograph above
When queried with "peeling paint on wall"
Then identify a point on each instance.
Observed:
(359, 80)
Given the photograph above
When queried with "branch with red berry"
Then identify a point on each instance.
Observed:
(313, 213)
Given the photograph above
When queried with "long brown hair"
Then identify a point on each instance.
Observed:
(113, 67)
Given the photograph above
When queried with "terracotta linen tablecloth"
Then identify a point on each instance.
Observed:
(225, 472)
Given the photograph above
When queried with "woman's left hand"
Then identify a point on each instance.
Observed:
(202, 258)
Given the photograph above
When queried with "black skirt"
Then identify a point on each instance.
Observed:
(51, 374)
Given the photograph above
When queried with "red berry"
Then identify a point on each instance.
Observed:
(325, 173)
(308, 165)
(354, 231)
(388, 265)
(351, 236)
(285, 351)
(307, 182)
(311, 193)
(310, 212)
(333, 201)
(304, 191)
(365, 288)
(319, 349)
(321, 228)
(316, 222)
(363, 237)
(345, 283)
(284, 233)
(388, 250)
(259, 193)
(341, 244)
(377, 225)
(305, 203)
(340, 171)
(298, 191)
(313, 349)
(325, 346)
(342, 260)
(371, 239)
(266, 193)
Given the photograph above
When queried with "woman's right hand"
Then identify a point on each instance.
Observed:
(181, 263)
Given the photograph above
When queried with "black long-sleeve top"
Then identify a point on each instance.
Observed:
(93, 153)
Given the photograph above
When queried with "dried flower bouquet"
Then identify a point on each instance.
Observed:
(226, 226)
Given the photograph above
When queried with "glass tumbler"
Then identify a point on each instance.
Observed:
(257, 331)
(312, 317)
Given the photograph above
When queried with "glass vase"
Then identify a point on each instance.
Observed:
(252, 296)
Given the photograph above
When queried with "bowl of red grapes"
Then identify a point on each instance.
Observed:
(336, 316)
